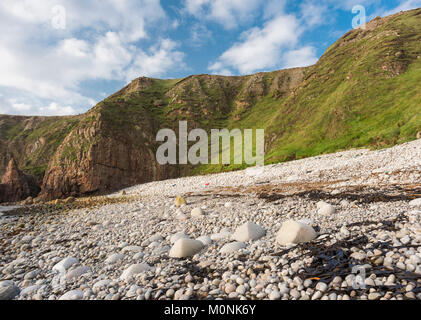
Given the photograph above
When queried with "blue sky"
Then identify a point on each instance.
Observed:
(61, 57)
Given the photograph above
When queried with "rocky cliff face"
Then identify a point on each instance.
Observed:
(102, 161)
(364, 91)
(16, 185)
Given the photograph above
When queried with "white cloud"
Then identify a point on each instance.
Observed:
(303, 57)
(221, 68)
(162, 56)
(21, 107)
(175, 24)
(314, 14)
(55, 109)
(30, 106)
(273, 8)
(102, 41)
(196, 7)
(74, 47)
(261, 48)
(230, 14)
(127, 16)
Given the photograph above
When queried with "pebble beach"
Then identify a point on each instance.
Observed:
(343, 226)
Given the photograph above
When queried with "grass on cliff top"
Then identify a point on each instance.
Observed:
(120, 111)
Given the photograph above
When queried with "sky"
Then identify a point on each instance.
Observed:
(61, 57)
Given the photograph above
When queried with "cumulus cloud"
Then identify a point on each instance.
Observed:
(102, 40)
(56, 109)
(229, 14)
(303, 57)
(33, 107)
(273, 8)
(314, 14)
(265, 48)
(162, 56)
(20, 107)
(129, 17)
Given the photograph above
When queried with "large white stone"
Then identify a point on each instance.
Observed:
(65, 264)
(184, 248)
(206, 240)
(326, 210)
(134, 270)
(196, 212)
(321, 204)
(295, 232)
(72, 295)
(114, 258)
(232, 247)
(175, 237)
(415, 203)
(228, 204)
(77, 273)
(248, 231)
